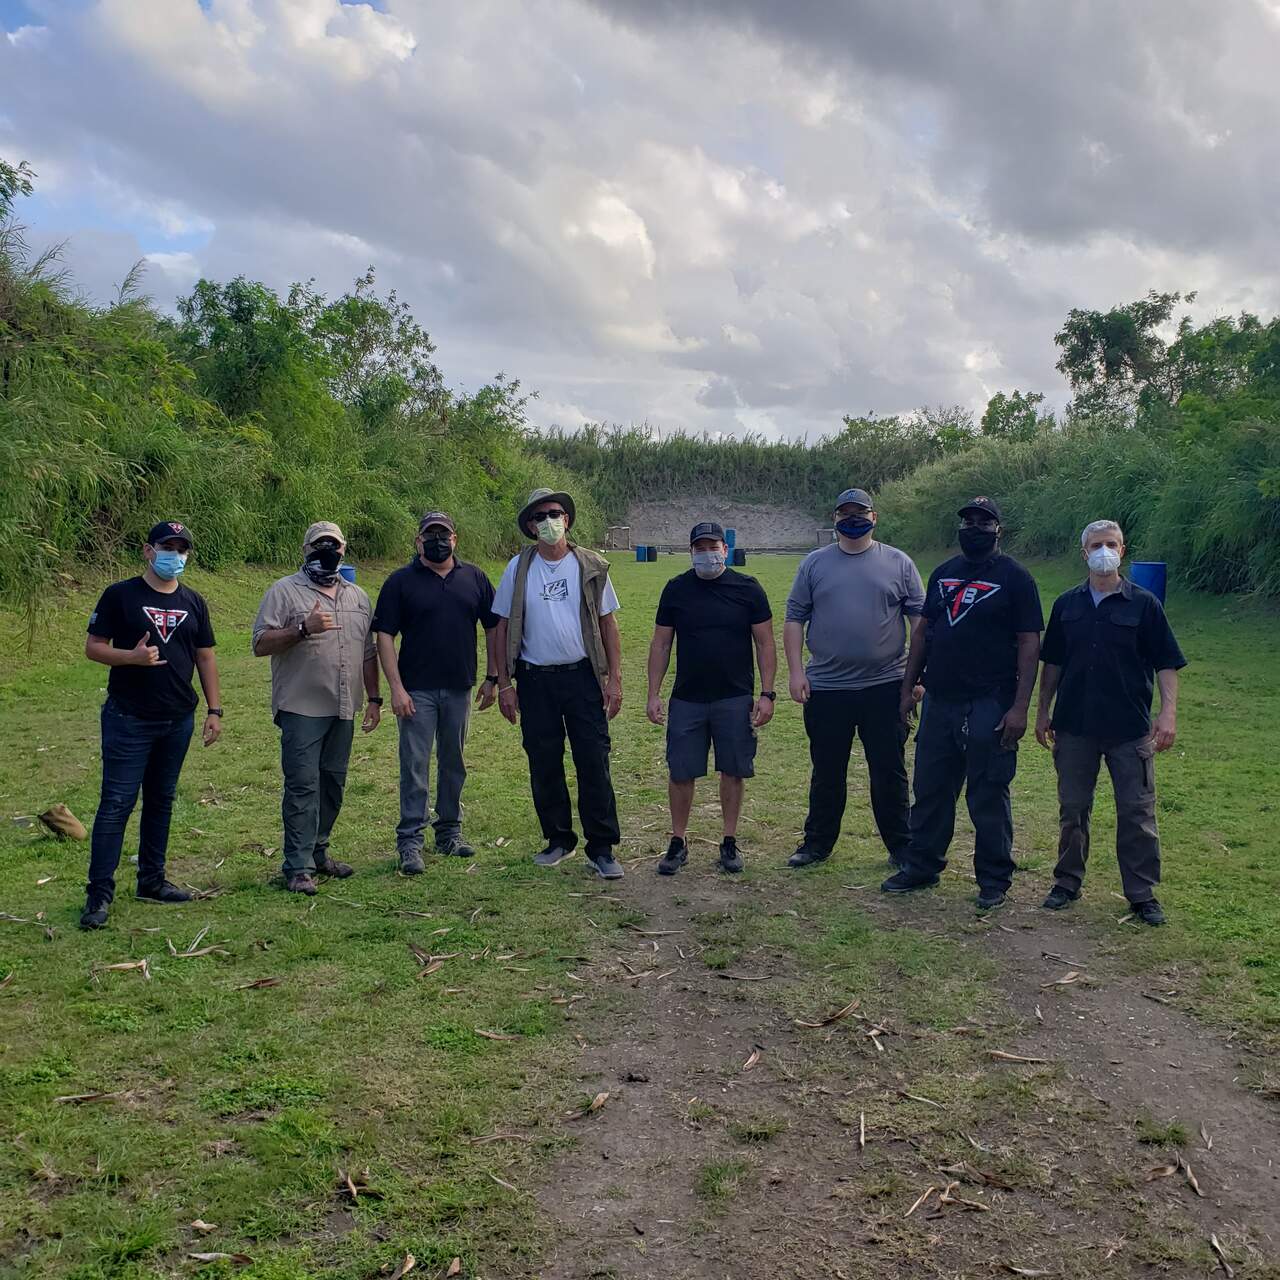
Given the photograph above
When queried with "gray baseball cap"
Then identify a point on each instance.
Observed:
(860, 496)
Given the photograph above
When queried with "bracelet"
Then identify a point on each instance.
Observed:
(374, 702)
(214, 711)
(491, 679)
(773, 697)
(506, 687)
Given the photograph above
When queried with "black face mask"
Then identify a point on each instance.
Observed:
(437, 550)
(322, 564)
(977, 544)
(855, 526)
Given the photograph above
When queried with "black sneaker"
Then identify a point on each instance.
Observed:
(165, 891)
(990, 899)
(907, 882)
(676, 856)
(455, 848)
(1149, 912)
(411, 863)
(804, 856)
(94, 915)
(730, 858)
(1058, 898)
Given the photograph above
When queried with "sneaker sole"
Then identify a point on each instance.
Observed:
(556, 863)
(915, 888)
(1057, 906)
(669, 871)
(610, 875)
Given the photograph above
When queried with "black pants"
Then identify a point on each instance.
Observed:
(831, 719)
(555, 701)
(137, 755)
(957, 746)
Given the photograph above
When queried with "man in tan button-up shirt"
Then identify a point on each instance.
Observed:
(315, 626)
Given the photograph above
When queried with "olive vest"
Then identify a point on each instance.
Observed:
(595, 573)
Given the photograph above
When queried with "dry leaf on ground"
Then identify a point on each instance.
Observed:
(1000, 1056)
(593, 1106)
(496, 1035)
(257, 983)
(203, 1227)
(407, 1264)
(237, 1259)
(78, 1098)
(455, 1268)
(831, 1017)
(920, 1199)
(752, 1060)
(1222, 1257)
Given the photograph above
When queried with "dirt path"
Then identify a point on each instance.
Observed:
(757, 525)
(695, 1167)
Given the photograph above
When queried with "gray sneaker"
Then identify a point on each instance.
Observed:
(608, 866)
(455, 847)
(552, 855)
(411, 863)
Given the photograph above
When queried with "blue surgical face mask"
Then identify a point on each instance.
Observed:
(169, 564)
(855, 526)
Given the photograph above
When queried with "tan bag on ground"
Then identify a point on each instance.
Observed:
(63, 823)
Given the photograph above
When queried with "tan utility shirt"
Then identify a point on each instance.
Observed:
(324, 674)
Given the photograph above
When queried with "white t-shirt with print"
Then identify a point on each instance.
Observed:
(552, 634)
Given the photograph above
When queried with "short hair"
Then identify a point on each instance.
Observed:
(1099, 526)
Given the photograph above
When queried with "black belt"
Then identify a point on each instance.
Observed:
(523, 666)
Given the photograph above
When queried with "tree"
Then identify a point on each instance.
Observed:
(1115, 359)
(1015, 417)
(14, 182)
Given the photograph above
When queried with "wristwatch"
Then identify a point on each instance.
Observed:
(214, 711)
(374, 702)
(491, 680)
(302, 630)
(769, 693)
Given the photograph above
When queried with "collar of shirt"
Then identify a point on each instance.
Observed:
(416, 562)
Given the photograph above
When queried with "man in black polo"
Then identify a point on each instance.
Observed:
(1106, 639)
(434, 603)
(976, 656)
(716, 615)
(154, 634)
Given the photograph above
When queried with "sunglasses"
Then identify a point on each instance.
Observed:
(554, 514)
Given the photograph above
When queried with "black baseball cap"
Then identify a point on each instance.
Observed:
(706, 529)
(859, 496)
(167, 529)
(437, 517)
(987, 506)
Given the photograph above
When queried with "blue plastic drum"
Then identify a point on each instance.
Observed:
(642, 554)
(348, 571)
(1151, 574)
(651, 553)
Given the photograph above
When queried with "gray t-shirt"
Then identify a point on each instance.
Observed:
(855, 606)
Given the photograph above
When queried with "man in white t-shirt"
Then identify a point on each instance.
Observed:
(558, 639)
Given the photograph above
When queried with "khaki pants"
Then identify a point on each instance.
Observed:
(1133, 778)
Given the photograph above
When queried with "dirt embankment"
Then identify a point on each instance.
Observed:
(759, 526)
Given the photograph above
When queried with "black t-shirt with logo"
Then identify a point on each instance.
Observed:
(973, 611)
(176, 622)
(436, 616)
(713, 618)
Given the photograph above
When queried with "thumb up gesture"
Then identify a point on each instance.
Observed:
(319, 620)
(146, 655)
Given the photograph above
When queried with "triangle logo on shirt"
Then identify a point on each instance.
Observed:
(164, 622)
(960, 595)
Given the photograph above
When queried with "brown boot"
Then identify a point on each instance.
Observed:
(301, 883)
(338, 870)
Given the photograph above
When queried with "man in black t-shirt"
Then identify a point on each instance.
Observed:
(434, 603)
(715, 616)
(977, 656)
(153, 633)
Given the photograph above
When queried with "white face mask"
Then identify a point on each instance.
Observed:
(708, 564)
(551, 530)
(1104, 560)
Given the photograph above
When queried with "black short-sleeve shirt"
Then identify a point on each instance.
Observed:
(1109, 653)
(436, 617)
(176, 622)
(713, 618)
(973, 612)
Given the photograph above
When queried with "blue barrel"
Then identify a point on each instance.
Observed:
(739, 557)
(730, 538)
(348, 571)
(642, 554)
(651, 553)
(1151, 574)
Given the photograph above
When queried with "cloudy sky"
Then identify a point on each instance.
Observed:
(721, 215)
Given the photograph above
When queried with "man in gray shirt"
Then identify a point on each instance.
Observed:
(857, 598)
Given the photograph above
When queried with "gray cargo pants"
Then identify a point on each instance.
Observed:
(1133, 778)
(314, 753)
(440, 720)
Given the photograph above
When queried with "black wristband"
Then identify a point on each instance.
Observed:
(491, 680)
(773, 697)
(374, 702)
(214, 711)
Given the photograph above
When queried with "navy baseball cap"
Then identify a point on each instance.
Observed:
(707, 529)
(167, 529)
(987, 506)
(860, 496)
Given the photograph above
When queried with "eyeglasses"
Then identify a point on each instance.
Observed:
(554, 514)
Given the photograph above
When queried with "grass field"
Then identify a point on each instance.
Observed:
(240, 1105)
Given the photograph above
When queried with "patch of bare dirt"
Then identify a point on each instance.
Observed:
(758, 526)
(806, 1160)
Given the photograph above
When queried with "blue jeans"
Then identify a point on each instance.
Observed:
(137, 755)
(440, 720)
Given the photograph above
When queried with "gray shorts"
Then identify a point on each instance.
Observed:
(693, 726)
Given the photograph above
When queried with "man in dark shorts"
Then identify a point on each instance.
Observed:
(153, 633)
(716, 614)
(977, 656)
